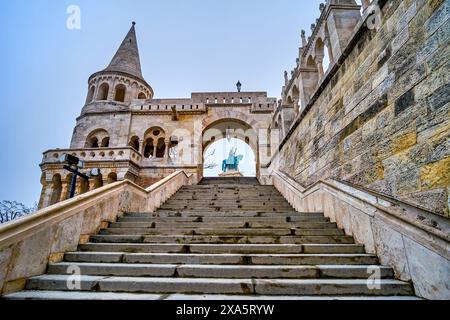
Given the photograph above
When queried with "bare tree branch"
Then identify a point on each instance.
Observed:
(11, 210)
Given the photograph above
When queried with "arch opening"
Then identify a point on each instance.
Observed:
(90, 96)
(223, 135)
(154, 143)
(120, 93)
(103, 92)
(134, 143)
(97, 139)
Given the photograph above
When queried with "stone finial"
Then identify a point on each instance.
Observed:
(133, 23)
(297, 61)
(313, 26)
(304, 43)
(322, 7)
(286, 78)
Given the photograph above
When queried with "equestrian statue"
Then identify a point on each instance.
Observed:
(232, 162)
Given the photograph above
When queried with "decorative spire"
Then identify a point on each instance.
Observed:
(127, 58)
(304, 43)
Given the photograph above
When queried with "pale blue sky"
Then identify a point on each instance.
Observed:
(185, 46)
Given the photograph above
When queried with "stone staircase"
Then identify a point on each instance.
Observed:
(222, 239)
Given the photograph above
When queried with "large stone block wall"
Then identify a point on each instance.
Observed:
(382, 121)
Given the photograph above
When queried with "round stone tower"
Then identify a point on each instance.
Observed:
(113, 88)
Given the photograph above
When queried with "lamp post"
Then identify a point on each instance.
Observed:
(72, 164)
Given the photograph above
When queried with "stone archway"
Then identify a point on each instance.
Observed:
(216, 128)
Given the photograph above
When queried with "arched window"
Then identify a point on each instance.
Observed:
(120, 93)
(149, 148)
(154, 143)
(105, 142)
(311, 62)
(97, 138)
(103, 92)
(160, 148)
(134, 143)
(92, 142)
(142, 96)
(90, 96)
(112, 177)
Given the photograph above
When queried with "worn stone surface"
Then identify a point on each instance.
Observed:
(390, 248)
(5, 258)
(30, 256)
(67, 234)
(424, 264)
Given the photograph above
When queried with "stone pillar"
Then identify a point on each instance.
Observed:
(92, 184)
(319, 62)
(64, 191)
(296, 107)
(112, 90)
(166, 150)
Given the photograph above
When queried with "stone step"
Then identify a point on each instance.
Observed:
(220, 259)
(223, 219)
(222, 239)
(222, 286)
(217, 214)
(225, 201)
(110, 296)
(220, 271)
(269, 206)
(231, 197)
(222, 248)
(221, 225)
(224, 232)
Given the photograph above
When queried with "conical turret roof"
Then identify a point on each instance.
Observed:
(127, 58)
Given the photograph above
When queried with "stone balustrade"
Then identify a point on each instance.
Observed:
(28, 244)
(414, 242)
(94, 155)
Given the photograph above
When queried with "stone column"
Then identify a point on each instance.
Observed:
(166, 150)
(112, 90)
(319, 62)
(296, 107)
(91, 184)
(64, 191)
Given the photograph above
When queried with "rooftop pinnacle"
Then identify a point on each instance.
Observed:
(127, 58)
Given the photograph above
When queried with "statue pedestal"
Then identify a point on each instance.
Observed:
(230, 174)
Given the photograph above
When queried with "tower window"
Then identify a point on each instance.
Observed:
(142, 96)
(103, 92)
(120, 93)
(90, 96)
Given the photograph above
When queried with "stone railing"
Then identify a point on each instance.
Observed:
(414, 242)
(167, 108)
(29, 243)
(91, 155)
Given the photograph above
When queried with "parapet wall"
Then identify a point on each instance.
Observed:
(379, 117)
